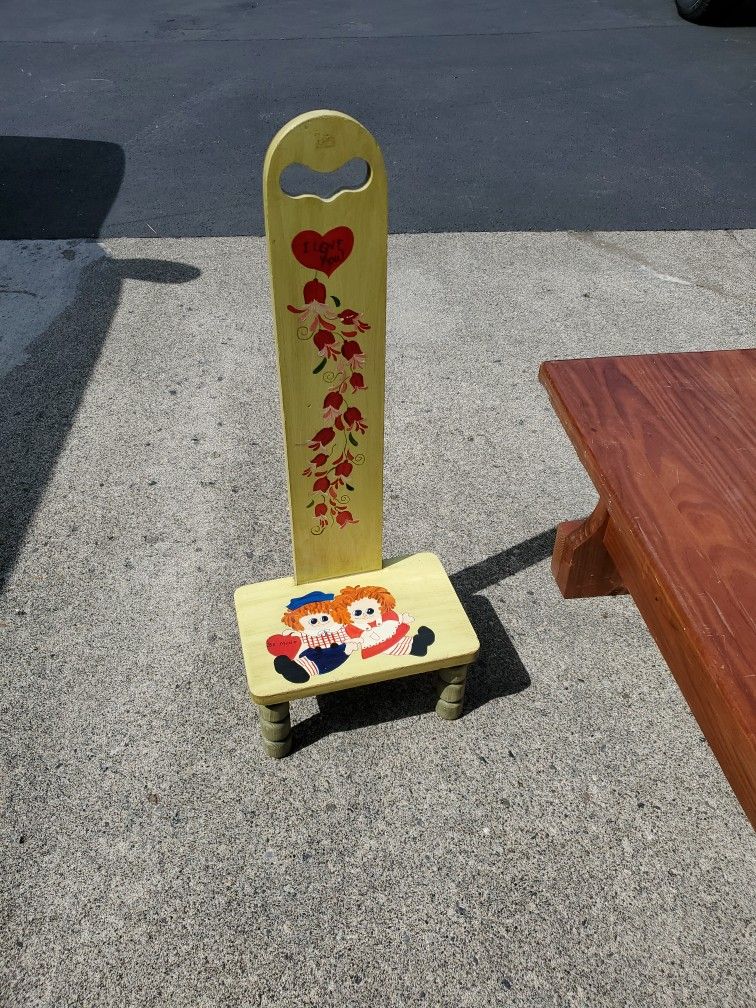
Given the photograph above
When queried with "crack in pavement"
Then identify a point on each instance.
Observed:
(590, 238)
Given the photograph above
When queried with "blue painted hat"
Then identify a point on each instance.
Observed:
(315, 596)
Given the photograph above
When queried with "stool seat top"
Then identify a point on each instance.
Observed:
(304, 639)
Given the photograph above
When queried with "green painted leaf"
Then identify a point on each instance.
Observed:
(311, 503)
(335, 300)
(352, 440)
(349, 487)
(319, 367)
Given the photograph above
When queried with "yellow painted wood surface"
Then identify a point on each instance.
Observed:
(347, 538)
(421, 589)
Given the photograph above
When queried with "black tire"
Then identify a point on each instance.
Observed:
(701, 10)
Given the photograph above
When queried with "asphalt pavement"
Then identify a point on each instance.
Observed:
(493, 116)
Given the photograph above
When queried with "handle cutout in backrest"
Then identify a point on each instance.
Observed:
(301, 180)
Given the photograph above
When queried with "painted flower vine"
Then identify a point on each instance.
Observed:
(334, 334)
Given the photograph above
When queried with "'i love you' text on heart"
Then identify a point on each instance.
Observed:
(323, 252)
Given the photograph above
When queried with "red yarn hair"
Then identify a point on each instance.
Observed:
(384, 598)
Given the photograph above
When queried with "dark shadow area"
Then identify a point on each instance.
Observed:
(732, 15)
(498, 672)
(40, 396)
(57, 188)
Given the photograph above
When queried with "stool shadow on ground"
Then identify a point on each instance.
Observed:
(58, 301)
(498, 672)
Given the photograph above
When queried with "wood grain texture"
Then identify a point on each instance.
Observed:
(581, 564)
(355, 277)
(670, 443)
(421, 588)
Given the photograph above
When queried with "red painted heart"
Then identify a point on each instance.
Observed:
(283, 644)
(323, 252)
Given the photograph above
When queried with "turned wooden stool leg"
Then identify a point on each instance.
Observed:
(275, 727)
(450, 689)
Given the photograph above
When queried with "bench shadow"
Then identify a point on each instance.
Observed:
(59, 301)
(498, 671)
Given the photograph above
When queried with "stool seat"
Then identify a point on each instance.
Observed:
(301, 640)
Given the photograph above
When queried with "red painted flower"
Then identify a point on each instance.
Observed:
(322, 438)
(353, 419)
(315, 316)
(324, 341)
(333, 400)
(349, 348)
(352, 352)
(331, 405)
(336, 338)
(314, 291)
(352, 318)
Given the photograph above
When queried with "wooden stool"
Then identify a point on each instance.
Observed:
(345, 618)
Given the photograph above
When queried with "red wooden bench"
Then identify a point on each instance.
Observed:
(669, 441)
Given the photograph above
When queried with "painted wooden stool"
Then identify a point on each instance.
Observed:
(345, 618)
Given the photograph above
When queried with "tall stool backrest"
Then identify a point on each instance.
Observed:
(328, 277)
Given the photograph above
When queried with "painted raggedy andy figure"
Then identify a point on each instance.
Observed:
(316, 641)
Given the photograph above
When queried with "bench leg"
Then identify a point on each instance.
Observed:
(581, 564)
(275, 727)
(450, 689)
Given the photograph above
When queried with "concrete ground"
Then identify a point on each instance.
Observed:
(570, 841)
